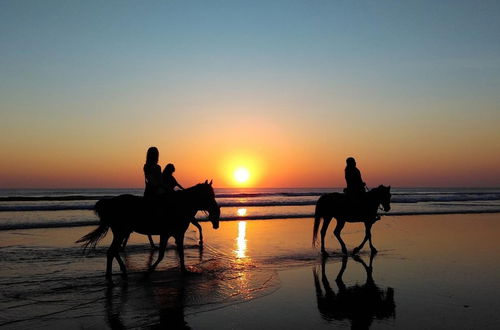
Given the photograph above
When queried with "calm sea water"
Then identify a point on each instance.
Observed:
(45, 208)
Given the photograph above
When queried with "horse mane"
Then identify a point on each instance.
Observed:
(195, 187)
(381, 187)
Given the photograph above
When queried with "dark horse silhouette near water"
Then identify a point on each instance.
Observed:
(195, 223)
(340, 207)
(165, 217)
(358, 303)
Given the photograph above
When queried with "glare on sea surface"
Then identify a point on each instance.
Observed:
(241, 212)
(241, 242)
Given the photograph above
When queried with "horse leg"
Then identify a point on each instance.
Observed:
(373, 249)
(125, 241)
(197, 225)
(336, 232)
(340, 282)
(161, 253)
(324, 228)
(151, 242)
(179, 241)
(367, 236)
(113, 253)
(119, 259)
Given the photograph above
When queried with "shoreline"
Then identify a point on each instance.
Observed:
(231, 219)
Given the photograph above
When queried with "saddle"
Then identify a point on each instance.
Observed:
(356, 204)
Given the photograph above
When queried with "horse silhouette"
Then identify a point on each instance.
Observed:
(342, 208)
(358, 303)
(166, 217)
(194, 222)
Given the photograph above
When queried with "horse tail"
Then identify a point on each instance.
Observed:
(90, 240)
(317, 221)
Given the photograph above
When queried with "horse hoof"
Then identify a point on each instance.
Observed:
(355, 251)
(374, 251)
(324, 254)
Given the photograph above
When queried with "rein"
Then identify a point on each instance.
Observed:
(379, 207)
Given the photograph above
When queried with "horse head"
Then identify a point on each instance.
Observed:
(208, 203)
(384, 195)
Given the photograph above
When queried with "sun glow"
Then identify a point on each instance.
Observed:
(241, 175)
(241, 170)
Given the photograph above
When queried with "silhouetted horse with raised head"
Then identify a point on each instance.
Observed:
(343, 209)
(166, 217)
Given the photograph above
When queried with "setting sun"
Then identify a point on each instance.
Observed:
(241, 175)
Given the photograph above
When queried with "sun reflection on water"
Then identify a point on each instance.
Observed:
(241, 212)
(241, 242)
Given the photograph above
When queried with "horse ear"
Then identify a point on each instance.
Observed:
(389, 187)
(210, 182)
(206, 181)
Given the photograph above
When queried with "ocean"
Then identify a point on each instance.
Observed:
(436, 269)
(52, 208)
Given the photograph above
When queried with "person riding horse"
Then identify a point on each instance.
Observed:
(356, 188)
(355, 185)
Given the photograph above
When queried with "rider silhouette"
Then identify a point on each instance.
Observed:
(355, 185)
(168, 180)
(152, 174)
(152, 179)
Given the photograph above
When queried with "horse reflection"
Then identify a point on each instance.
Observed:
(156, 306)
(358, 303)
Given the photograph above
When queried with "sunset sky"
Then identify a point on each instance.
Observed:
(285, 89)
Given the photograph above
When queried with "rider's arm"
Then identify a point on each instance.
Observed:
(178, 184)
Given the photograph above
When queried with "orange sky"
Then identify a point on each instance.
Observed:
(286, 153)
(287, 91)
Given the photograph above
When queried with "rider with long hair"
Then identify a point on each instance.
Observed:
(152, 174)
(152, 179)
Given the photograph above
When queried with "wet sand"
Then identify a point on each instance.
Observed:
(438, 271)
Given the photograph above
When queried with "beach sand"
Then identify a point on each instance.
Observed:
(432, 271)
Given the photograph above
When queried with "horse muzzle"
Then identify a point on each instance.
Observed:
(214, 216)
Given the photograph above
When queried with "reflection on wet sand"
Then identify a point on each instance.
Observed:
(241, 242)
(358, 303)
(168, 298)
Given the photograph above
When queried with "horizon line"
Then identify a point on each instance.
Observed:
(305, 187)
